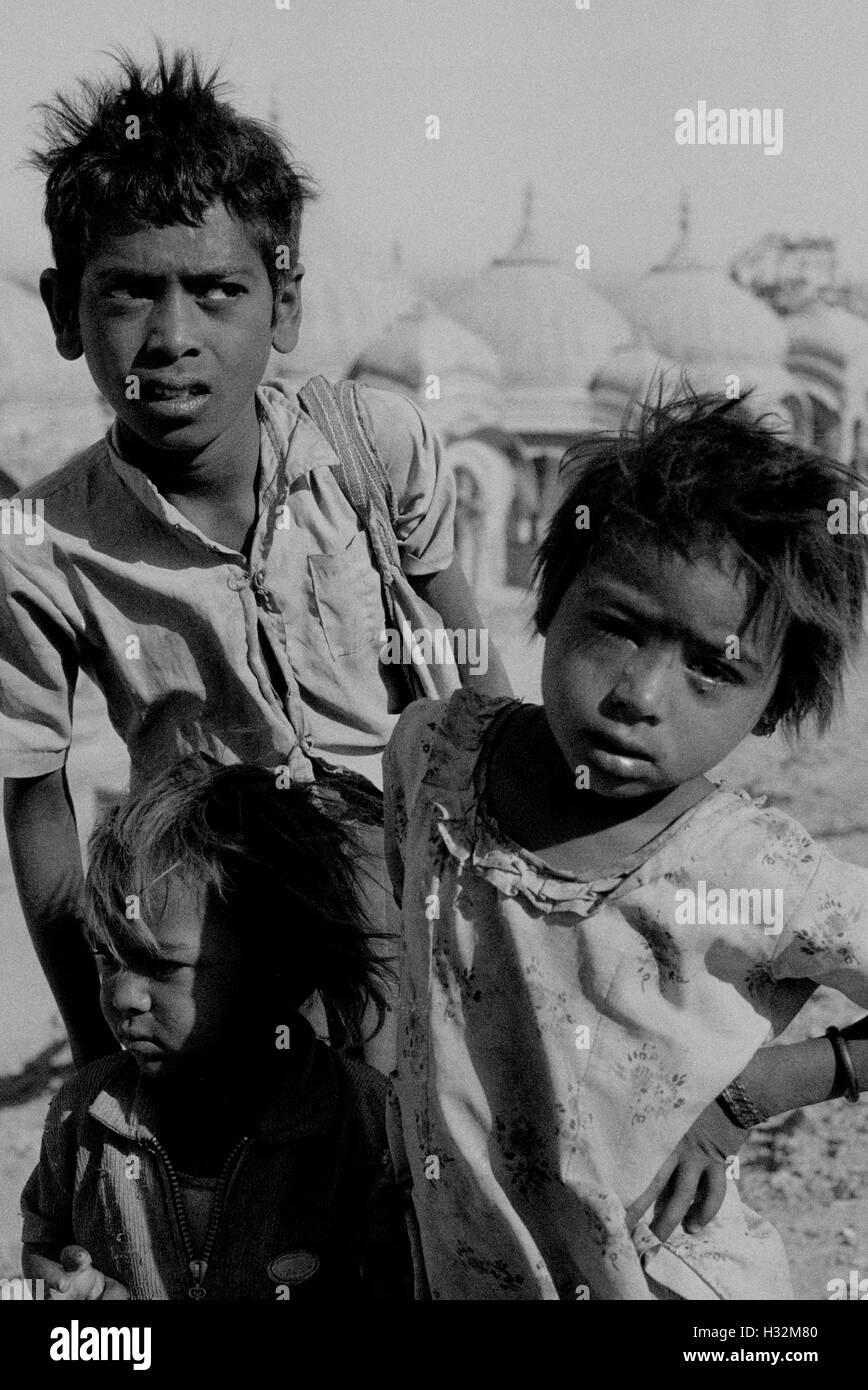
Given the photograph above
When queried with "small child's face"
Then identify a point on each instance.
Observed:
(637, 684)
(192, 1005)
(177, 324)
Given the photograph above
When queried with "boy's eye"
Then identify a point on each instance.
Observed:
(216, 293)
(129, 289)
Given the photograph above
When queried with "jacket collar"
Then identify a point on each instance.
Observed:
(302, 1106)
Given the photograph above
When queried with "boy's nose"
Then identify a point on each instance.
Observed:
(170, 325)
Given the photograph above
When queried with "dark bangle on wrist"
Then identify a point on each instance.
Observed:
(739, 1107)
(845, 1072)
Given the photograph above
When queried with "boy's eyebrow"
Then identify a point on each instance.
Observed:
(132, 272)
(602, 593)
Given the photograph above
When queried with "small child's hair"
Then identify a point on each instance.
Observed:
(277, 863)
(697, 475)
(157, 147)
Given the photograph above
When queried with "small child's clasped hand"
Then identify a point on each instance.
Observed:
(74, 1278)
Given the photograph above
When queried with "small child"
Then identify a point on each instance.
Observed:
(225, 1152)
(597, 937)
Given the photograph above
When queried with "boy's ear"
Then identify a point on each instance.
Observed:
(286, 320)
(63, 312)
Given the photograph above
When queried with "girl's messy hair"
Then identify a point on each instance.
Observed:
(275, 860)
(158, 147)
(698, 476)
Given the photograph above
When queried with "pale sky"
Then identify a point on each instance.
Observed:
(581, 102)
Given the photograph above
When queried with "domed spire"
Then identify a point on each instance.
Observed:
(526, 248)
(682, 256)
(273, 115)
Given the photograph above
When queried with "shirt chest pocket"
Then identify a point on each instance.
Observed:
(347, 597)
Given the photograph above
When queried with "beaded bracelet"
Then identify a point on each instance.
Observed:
(739, 1107)
(844, 1063)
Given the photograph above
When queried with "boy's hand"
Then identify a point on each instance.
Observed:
(690, 1186)
(74, 1279)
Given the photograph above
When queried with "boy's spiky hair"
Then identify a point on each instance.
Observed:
(156, 146)
(278, 864)
(698, 476)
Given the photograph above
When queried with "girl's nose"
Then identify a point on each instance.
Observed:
(128, 993)
(640, 689)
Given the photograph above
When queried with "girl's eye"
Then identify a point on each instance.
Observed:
(164, 969)
(617, 627)
(709, 673)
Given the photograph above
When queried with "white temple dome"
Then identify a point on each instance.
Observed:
(633, 372)
(443, 367)
(828, 330)
(548, 328)
(693, 312)
(426, 341)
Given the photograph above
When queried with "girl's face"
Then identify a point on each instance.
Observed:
(637, 684)
(191, 1004)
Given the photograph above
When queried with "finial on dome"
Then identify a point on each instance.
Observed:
(682, 253)
(273, 115)
(526, 245)
(527, 212)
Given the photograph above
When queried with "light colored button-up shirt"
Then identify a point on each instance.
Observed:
(194, 647)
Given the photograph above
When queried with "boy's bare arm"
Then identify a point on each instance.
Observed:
(449, 592)
(46, 861)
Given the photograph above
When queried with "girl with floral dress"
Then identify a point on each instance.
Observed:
(597, 937)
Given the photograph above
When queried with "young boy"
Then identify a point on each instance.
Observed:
(225, 1153)
(200, 563)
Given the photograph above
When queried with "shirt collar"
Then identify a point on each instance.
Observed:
(290, 445)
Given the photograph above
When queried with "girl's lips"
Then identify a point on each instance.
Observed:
(616, 749)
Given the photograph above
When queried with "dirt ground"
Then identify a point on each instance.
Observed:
(807, 1172)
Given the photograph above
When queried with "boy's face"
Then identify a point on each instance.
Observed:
(192, 1006)
(176, 324)
(637, 684)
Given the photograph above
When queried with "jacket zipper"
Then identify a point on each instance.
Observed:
(198, 1266)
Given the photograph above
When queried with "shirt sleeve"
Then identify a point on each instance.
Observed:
(421, 477)
(46, 1202)
(826, 937)
(38, 670)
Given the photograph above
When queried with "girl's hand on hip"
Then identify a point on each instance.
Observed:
(689, 1188)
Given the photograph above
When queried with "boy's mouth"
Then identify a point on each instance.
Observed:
(174, 400)
(172, 390)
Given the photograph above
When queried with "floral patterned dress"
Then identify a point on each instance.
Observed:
(558, 1035)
